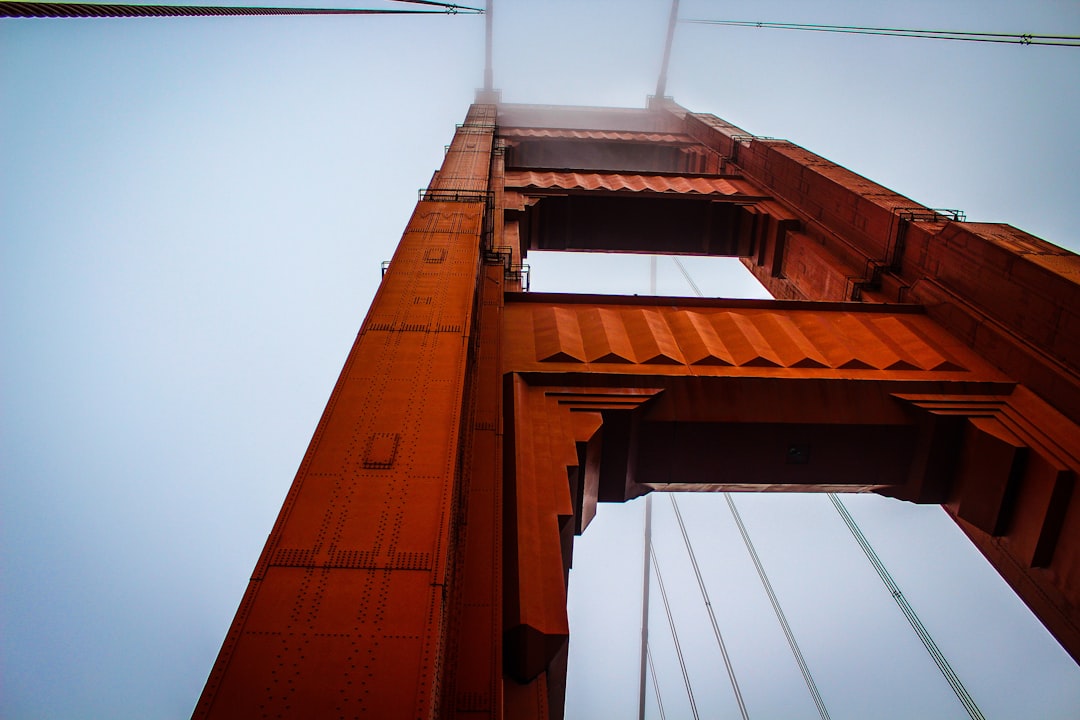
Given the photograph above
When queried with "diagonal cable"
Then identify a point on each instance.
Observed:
(686, 274)
(119, 10)
(909, 612)
(799, 660)
(984, 37)
(712, 614)
(655, 684)
(674, 635)
(439, 3)
(950, 676)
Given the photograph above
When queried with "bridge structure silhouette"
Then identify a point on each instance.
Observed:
(418, 567)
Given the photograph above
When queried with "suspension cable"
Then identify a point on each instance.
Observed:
(450, 7)
(909, 612)
(686, 274)
(116, 10)
(985, 37)
(656, 685)
(712, 614)
(674, 635)
(803, 667)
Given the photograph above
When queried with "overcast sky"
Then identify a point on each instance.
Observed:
(192, 217)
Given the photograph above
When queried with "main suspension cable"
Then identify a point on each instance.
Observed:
(909, 612)
(800, 661)
(985, 37)
(674, 635)
(709, 607)
(117, 10)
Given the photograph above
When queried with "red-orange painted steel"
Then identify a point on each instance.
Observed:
(624, 181)
(345, 614)
(418, 567)
(641, 137)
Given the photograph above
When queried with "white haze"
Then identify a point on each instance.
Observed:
(192, 216)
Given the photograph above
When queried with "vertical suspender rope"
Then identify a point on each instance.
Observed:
(909, 612)
(712, 614)
(645, 573)
(803, 667)
(675, 636)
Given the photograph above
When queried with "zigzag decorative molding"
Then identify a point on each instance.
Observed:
(750, 338)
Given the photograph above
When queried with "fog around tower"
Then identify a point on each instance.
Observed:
(193, 213)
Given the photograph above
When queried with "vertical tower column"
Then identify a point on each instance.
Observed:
(346, 612)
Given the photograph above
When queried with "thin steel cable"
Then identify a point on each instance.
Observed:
(440, 3)
(800, 661)
(712, 614)
(985, 37)
(110, 10)
(686, 275)
(909, 612)
(810, 26)
(656, 685)
(674, 635)
(749, 23)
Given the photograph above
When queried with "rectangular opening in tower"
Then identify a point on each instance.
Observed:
(637, 223)
(630, 274)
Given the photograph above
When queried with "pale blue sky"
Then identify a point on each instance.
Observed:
(192, 216)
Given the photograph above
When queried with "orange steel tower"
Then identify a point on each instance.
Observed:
(418, 567)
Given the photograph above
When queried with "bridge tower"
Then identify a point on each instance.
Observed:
(418, 566)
